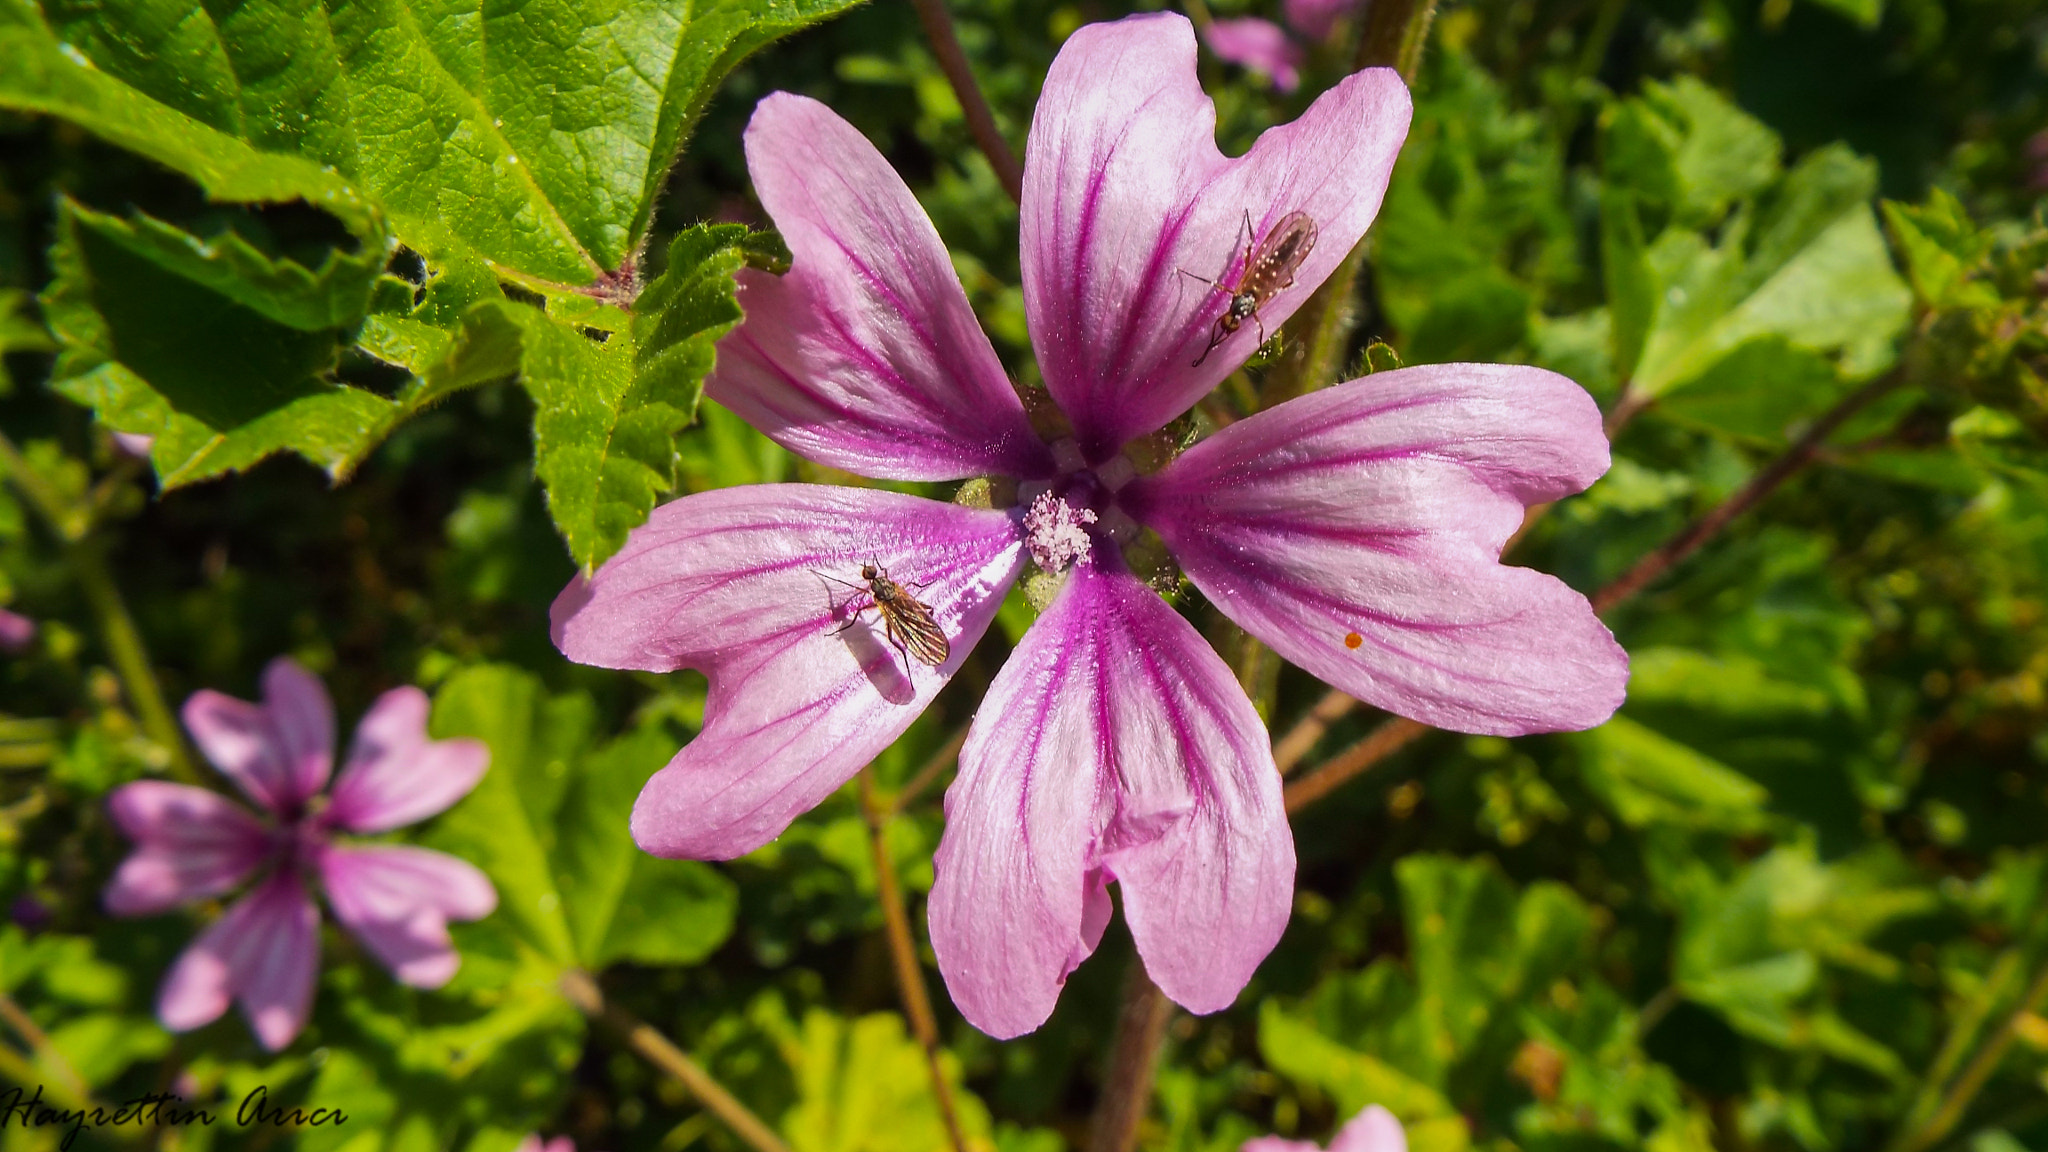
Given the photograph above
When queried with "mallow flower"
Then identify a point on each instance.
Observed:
(1373, 1130)
(1356, 530)
(1266, 48)
(193, 844)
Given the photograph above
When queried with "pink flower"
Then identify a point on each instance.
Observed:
(192, 843)
(1373, 1130)
(1355, 530)
(17, 632)
(533, 1143)
(1316, 19)
(1259, 45)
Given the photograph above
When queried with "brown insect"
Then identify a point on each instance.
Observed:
(1268, 270)
(906, 620)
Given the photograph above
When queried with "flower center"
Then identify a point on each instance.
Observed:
(1056, 532)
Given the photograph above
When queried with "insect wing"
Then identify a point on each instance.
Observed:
(910, 622)
(1278, 256)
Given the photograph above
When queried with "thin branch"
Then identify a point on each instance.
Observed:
(70, 1084)
(1378, 744)
(73, 527)
(981, 121)
(1761, 485)
(1301, 739)
(651, 1046)
(1964, 1027)
(930, 772)
(1979, 1070)
(917, 1004)
(1133, 1062)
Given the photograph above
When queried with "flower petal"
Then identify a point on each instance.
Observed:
(396, 776)
(1259, 45)
(190, 843)
(264, 952)
(1113, 744)
(1127, 200)
(865, 354)
(1357, 530)
(1373, 1130)
(278, 754)
(737, 583)
(398, 900)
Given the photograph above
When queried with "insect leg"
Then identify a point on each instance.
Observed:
(895, 640)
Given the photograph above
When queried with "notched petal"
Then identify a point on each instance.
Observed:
(864, 355)
(1114, 744)
(760, 588)
(1129, 207)
(1358, 530)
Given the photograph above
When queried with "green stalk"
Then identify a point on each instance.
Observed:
(87, 558)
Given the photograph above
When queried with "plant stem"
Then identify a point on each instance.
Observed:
(917, 1004)
(1133, 1060)
(1962, 1032)
(948, 753)
(1378, 744)
(981, 121)
(117, 628)
(1761, 485)
(131, 660)
(1301, 739)
(651, 1046)
(70, 1083)
(1974, 1075)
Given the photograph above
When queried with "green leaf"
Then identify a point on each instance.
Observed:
(622, 903)
(1688, 147)
(1763, 391)
(143, 313)
(40, 73)
(20, 331)
(863, 1085)
(610, 390)
(498, 826)
(1751, 948)
(1797, 257)
(544, 154)
(1941, 247)
(1354, 1080)
(1466, 964)
(1647, 778)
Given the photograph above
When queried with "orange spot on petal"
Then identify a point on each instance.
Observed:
(1353, 639)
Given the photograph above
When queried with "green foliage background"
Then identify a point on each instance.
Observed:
(1794, 897)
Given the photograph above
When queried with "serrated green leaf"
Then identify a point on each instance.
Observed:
(1647, 778)
(1354, 1079)
(622, 903)
(213, 349)
(1798, 258)
(544, 154)
(41, 73)
(1687, 146)
(863, 1085)
(610, 390)
(498, 826)
(1941, 247)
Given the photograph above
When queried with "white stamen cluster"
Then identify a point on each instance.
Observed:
(1056, 532)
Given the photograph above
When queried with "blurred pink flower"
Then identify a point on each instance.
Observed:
(1357, 530)
(192, 844)
(1259, 45)
(1373, 1130)
(17, 632)
(1316, 19)
(533, 1143)
(135, 444)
